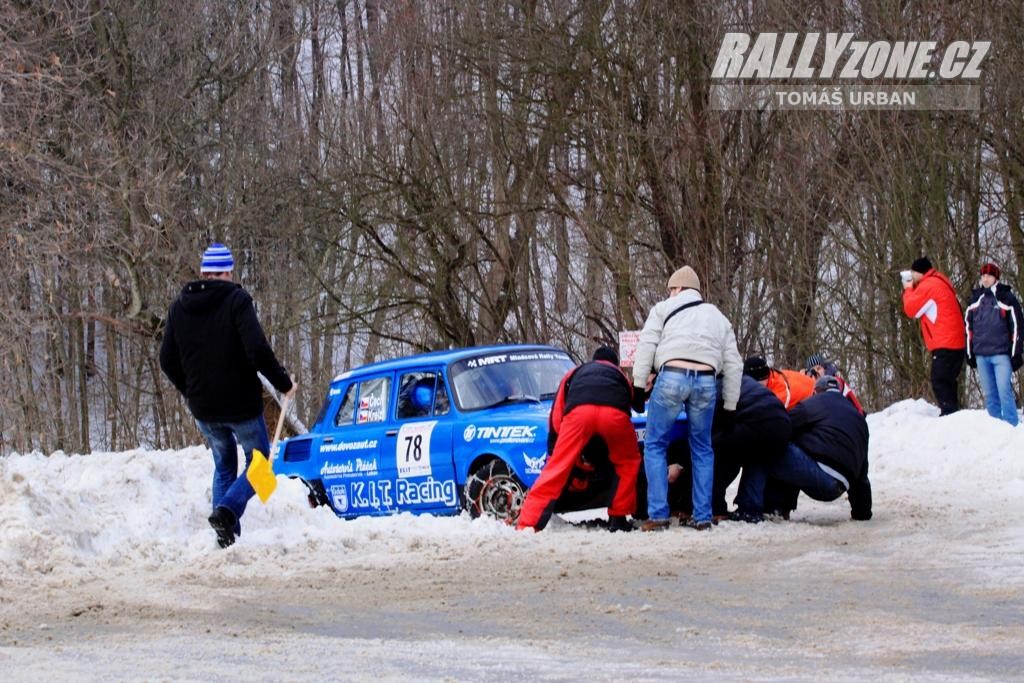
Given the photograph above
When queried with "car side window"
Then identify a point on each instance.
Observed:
(415, 395)
(347, 410)
(364, 402)
(421, 394)
(373, 400)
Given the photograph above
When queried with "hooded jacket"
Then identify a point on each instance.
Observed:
(213, 347)
(829, 429)
(993, 322)
(699, 333)
(934, 302)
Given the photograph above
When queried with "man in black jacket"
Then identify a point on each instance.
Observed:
(828, 454)
(213, 347)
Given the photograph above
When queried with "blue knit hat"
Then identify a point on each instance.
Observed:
(217, 259)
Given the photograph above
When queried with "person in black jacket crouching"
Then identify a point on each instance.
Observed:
(828, 453)
(213, 347)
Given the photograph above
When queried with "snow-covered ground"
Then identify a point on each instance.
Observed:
(108, 570)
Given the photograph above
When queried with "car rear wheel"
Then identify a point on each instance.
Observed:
(495, 491)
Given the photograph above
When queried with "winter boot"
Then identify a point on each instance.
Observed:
(744, 516)
(619, 523)
(697, 526)
(224, 523)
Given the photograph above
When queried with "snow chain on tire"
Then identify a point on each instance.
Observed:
(494, 491)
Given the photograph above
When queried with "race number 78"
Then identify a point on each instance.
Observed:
(412, 449)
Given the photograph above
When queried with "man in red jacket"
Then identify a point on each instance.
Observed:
(593, 400)
(929, 296)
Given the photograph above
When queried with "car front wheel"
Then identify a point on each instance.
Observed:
(492, 489)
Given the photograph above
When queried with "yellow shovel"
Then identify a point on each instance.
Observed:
(261, 470)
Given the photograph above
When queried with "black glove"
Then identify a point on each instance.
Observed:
(1016, 362)
(725, 420)
(972, 361)
(639, 399)
(619, 523)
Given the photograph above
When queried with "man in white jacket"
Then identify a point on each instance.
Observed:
(687, 341)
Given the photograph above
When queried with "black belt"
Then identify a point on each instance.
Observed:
(687, 371)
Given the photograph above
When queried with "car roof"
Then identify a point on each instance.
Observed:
(441, 358)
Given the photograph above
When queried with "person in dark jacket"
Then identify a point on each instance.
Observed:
(593, 400)
(828, 454)
(758, 436)
(213, 346)
(994, 340)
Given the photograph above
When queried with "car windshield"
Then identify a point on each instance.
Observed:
(493, 379)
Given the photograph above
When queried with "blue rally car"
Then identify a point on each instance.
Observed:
(433, 433)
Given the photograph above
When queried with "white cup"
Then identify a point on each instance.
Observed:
(906, 275)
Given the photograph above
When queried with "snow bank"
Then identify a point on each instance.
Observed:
(81, 516)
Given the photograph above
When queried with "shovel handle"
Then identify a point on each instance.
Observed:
(280, 423)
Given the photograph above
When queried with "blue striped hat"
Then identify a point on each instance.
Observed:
(217, 259)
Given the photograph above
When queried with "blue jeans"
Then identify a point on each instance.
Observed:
(230, 490)
(995, 373)
(798, 469)
(673, 392)
(750, 496)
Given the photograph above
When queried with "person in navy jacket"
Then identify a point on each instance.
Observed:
(994, 340)
(828, 452)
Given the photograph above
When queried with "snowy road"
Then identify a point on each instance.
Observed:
(108, 572)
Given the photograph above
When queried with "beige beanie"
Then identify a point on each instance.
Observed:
(685, 278)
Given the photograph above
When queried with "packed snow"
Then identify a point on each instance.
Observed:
(109, 570)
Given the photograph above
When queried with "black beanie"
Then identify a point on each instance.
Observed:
(756, 367)
(921, 265)
(606, 353)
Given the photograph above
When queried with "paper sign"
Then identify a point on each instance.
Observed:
(628, 340)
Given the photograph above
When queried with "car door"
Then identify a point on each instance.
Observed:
(418, 444)
(350, 452)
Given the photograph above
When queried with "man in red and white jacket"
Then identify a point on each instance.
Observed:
(593, 400)
(929, 296)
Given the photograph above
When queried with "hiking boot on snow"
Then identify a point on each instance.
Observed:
(224, 523)
(655, 525)
(697, 526)
(744, 516)
(619, 523)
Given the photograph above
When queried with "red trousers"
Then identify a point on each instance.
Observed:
(577, 428)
